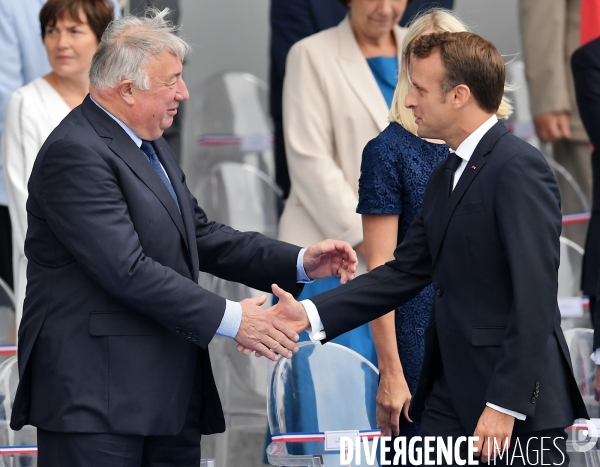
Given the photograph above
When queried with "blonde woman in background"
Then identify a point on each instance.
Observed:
(396, 166)
(337, 92)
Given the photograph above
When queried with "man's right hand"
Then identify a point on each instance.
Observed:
(552, 126)
(263, 332)
(287, 310)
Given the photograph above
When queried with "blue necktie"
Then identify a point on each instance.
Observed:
(153, 158)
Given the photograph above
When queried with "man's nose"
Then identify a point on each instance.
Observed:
(409, 101)
(182, 92)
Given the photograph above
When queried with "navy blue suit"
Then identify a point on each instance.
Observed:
(115, 327)
(491, 250)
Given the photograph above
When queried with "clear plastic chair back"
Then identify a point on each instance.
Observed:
(27, 436)
(240, 196)
(7, 316)
(580, 445)
(231, 123)
(569, 271)
(322, 388)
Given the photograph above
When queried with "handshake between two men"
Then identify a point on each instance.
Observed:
(274, 332)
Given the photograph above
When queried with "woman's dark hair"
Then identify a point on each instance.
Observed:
(99, 13)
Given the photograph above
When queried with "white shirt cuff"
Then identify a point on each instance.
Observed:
(517, 415)
(596, 356)
(316, 331)
(232, 319)
(300, 272)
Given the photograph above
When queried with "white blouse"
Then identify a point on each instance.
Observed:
(34, 110)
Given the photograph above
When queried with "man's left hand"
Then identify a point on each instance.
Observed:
(494, 430)
(330, 258)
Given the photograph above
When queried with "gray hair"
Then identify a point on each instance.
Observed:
(127, 45)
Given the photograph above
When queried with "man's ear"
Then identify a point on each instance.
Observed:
(461, 95)
(127, 91)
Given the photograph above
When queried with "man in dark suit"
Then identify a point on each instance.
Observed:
(585, 64)
(112, 346)
(496, 364)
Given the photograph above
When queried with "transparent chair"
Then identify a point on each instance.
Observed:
(7, 321)
(521, 121)
(581, 442)
(322, 388)
(243, 197)
(570, 301)
(14, 441)
(231, 123)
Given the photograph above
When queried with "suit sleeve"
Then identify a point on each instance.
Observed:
(529, 223)
(543, 27)
(374, 294)
(83, 203)
(316, 176)
(246, 257)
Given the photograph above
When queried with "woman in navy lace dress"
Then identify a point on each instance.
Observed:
(395, 169)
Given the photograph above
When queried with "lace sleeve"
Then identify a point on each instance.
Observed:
(380, 184)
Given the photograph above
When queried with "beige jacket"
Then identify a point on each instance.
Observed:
(550, 34)
(332, 107)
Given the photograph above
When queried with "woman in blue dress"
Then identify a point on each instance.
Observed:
(395, 168)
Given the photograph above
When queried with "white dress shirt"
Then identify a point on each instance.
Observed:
(232, 318)
(464, 151)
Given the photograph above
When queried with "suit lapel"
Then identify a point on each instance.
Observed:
(124, 147)
(356, 70)
(473, 168)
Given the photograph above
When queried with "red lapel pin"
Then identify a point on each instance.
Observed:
(473, 167)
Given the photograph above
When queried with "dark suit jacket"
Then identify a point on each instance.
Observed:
(115, 327)
(585, 64)
(491, 250)
(292, 20)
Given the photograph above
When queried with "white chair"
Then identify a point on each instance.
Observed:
(322, 388)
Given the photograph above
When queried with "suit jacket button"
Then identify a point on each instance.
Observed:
(177, 329)
(439, 292)
(533, 400)
(537, 384)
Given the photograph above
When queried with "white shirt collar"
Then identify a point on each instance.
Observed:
(136, 139)
(467, 147)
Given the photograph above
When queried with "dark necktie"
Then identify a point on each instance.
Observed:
(153, 158)
(452, 164)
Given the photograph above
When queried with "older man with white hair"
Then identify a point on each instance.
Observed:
(112, 346)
